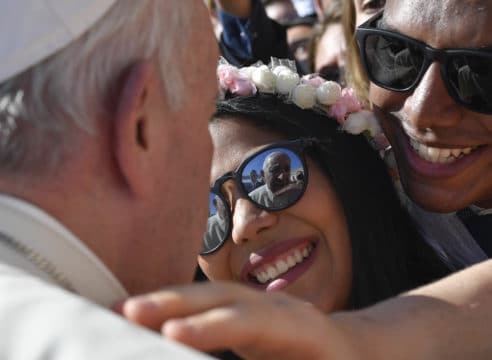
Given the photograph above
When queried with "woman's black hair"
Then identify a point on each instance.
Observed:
(388, 256)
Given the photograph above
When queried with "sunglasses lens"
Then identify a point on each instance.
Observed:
(392, 62)
(470, 77)
(217, 224)
(274, 179)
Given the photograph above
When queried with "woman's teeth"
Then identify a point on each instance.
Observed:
(268, 272)
(439, 155)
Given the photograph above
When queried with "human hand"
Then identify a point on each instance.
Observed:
(254, 324)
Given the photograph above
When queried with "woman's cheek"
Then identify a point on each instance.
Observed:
(215, 266)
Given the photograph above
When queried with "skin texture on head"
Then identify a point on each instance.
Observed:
(429, 116)
(318, 215)
(277, 171)
(128, 190)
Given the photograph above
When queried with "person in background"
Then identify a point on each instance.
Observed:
(327, 48)
(355, 12)
(281, 11)
(248, 34)
(300, 30)
(254, 31)
(96, 102)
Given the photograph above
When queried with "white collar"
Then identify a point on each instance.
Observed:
(31, 228)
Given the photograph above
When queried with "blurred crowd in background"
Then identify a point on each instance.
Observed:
(318, 34)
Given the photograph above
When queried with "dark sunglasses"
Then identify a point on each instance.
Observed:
(397, 62)
(273, 178)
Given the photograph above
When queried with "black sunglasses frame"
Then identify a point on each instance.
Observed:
(430, 55)
(297, 146)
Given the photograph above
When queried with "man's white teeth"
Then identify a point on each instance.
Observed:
(272, 271)
(439, 155)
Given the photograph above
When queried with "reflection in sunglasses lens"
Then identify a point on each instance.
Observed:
(393, 61)
(274, 179)
(217, 223)
(470, 77)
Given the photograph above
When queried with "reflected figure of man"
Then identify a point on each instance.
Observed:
(278, 189)
(215, 223)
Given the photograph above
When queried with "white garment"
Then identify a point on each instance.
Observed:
(52, 242)
(41, 320)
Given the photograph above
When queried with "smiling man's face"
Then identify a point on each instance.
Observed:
(443, 150)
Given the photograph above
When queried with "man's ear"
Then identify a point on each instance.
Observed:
(131, 126)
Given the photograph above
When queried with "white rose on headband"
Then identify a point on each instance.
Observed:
(304, 96)
(328, 93)
(364, 120)
(247, 71)
(278, 69)
(287, 80)
(264, 79)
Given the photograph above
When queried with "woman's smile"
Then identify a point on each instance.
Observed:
(279, 265)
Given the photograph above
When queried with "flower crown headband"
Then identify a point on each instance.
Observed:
(311, 91)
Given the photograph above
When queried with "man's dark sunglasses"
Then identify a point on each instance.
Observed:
(273, 178)
(397, 62)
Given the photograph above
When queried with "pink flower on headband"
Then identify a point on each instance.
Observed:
(348, 103)
(231, 79)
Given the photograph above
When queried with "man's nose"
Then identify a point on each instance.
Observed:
(248, 221)
(430, 105)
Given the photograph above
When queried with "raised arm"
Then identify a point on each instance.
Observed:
(449, 319)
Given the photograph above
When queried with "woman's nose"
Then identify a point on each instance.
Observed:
(248, 221)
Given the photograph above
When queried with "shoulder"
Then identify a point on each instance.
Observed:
(68, 326)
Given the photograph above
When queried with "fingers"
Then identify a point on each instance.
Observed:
(256, 325)
(255, 330)
(152, 310)
(216, 329)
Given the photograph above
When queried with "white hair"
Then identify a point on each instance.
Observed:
(76, 86)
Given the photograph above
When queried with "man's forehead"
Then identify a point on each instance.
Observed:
(442, 23)
(437, 7)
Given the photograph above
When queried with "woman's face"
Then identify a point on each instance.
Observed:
(364, 9)
(261, 238)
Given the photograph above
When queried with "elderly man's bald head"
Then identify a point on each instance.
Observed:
(277, 171)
